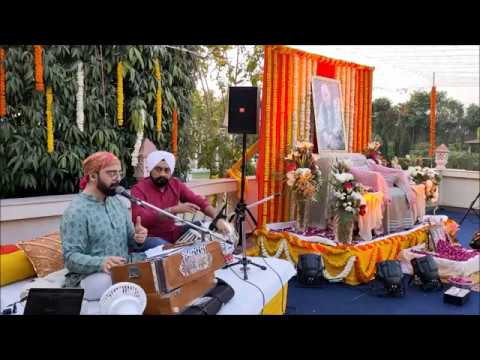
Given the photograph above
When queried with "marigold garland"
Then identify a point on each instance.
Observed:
(366, 124)
(286, 207)
(338, 258)
(308, 95)
(356, 121)
(3, 102)
(301, 94)
(361, 115)
(347, 109)
(273, 136)
(120, 93)
(266, 176)
(139, 140)
(352, 110)
(157, 70)
(370, 109)
(261, 142)
(39, 84)
(174, 132)
(295, 120)
(433, 108)
(49, 120)
(80, 91)
(158, 98)
(283, 150)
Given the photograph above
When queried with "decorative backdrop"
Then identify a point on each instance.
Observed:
(287, 115)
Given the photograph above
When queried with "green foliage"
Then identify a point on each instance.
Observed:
(27, 168)
(226, 65)
(463, 160)
(404, 128)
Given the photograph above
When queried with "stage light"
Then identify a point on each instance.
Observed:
(389, 273)
(425, 272)
(309, 270)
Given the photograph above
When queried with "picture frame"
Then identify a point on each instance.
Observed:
(329, 117)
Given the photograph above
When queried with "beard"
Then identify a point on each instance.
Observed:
(160, 181)
(105, 189)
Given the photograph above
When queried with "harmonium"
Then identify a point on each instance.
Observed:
(173, 282)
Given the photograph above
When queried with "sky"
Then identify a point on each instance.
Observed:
(398, 81)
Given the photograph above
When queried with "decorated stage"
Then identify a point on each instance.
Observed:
(352, 263)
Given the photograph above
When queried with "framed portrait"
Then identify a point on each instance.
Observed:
(327, 105)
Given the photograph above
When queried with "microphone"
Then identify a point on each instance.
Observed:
(120, 190)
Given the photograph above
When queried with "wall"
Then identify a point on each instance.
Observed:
(459, 188)
(27, 218)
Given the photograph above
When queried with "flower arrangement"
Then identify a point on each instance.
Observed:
(427, 176)
(303, 175)
(446, 250)
(460, 281)
(373, 151)
(349, 201)
(395, 163)
(304, 179)
(348, 193)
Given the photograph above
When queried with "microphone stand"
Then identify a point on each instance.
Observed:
(145, 204)
(232, 215)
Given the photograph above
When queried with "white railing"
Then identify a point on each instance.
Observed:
(27, 218)
(459, 188)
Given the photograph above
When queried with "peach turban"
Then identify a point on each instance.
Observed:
(96, 162)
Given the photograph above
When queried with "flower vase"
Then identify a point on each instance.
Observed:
(302, 214)
(344, 228)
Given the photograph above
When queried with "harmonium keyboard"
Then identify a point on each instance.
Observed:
(174, 281)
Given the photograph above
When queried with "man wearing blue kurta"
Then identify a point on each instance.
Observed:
(96, 229)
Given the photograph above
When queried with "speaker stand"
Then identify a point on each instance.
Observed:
(240, 211)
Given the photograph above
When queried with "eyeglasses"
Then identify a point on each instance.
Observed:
(115, 173)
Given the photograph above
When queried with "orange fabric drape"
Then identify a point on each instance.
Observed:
(433, 115)
(286, 112)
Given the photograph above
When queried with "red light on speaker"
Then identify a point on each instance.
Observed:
(241, 110)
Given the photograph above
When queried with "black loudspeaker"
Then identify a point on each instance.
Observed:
(309, 270)
(243, 110)
(390, 274)
(426, 270)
